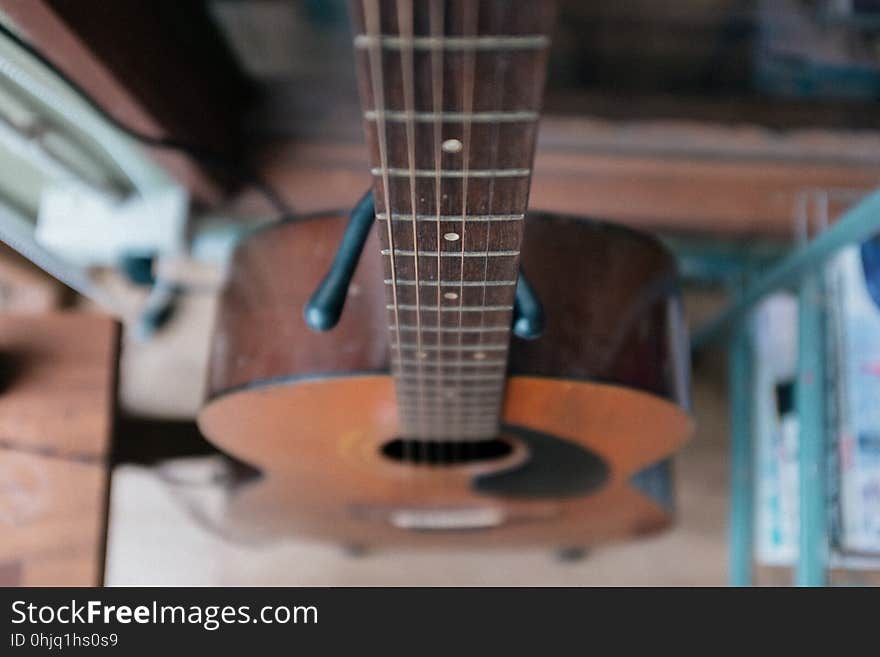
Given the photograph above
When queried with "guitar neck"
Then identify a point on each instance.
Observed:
(451, 92)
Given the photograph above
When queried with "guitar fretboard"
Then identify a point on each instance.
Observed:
(451, 92)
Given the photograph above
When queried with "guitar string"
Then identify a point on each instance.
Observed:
(406, 28)
(469, 28)
(373, 24)
(437, 27)
(499, 72)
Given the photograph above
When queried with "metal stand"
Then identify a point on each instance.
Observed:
(800, 270)
(810, 404)
(741, 529)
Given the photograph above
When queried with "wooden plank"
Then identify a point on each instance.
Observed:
(53, 517)
(60, 384)
(56, 419)
(680, 176)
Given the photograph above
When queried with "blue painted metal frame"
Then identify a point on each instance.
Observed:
(810, 400)
(742, 490)
(802, 269)
(855, 226)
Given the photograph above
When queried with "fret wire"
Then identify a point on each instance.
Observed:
(455, 428)
(482, 408)
(455, 329)
(460, 429)
(451, 430)
(471, 218)
(470, 410)
(489, 403)
(472, 419)
(457, 422)
(496, 403)
(451, 309)
(462, 383)
(473, 414)
(453, 434)
(488, 376)
(471, 390)
(465, 417)
(484, 416)
(477, 348)
(452, 426)
(453, 390)
(488, 42)
(397, 172)
(452, 254)
(449, 422)
(463, 413)
(448, 411)
(428, 283)
(474, 422)
(451, 363)
(469, 415)
(513, 116)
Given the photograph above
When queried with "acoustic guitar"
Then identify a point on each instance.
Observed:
(495, 377)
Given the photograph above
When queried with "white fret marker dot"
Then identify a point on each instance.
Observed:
(479, 355)
(423, 354)
(450, 295)
(451, 237)
(452, 146)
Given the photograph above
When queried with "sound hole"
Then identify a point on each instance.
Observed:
(445, 452)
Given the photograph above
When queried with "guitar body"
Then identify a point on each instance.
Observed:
(591, 408)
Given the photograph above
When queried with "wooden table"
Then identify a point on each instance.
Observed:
(57, 408)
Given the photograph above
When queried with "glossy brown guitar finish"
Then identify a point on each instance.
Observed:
(417, 420)
(313, 411)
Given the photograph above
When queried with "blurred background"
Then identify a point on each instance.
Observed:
(140, 139)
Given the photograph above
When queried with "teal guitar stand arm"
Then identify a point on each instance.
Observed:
(324, 308)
